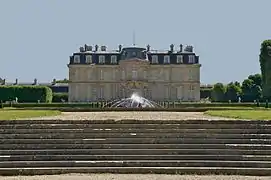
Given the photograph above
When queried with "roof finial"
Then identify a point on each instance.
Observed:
(134, 38)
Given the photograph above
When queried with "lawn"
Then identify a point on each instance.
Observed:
(242, 114)
(9, 114)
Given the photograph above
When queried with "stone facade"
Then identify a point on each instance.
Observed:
(133, 70)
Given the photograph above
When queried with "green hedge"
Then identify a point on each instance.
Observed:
(87, 109)
(58, 97)
(164, 104)
(205, 93)
(26, 94)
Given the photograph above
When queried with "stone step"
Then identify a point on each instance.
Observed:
(137, 163)
(133, 135)
(133, 121)
(137, 141)
(140, 126)
(135, 152)
(135, 146)
(136, 130)
(138, 170)
(134, 157)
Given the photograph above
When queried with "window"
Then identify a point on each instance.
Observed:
(145, 74)
(88, 59)
(113, 75)
(191, 59)
(101, 75)
(77, 59)
(190, 74)
(123, 74)
(101, 59)
(166, 59)
(180, 59)
(101, 92)
(154, 59)
(114, 59)
(134, 75)
(192, 88)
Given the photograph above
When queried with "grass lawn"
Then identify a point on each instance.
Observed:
(10, 114)
(242, 114)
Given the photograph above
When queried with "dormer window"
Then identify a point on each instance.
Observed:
(191, 59)
(180, 59)
(154, 59)
(89, 59)
(114, 59)
(101, 59)
(166, 59)
(77, 59)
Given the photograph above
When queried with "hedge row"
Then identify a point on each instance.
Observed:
(164, 104)
(26, 94)
(85, 109)
(60, 97)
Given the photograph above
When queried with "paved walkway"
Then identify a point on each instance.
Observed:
(140, 115)
(132, 177)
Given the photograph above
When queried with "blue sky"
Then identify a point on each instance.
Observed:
(37, 37)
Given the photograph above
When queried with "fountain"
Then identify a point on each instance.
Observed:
(135, 101)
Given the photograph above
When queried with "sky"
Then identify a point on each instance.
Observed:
(37, 37)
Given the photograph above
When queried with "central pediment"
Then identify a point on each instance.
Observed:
(133, 53)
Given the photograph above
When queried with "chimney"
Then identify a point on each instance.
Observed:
(16, 81)
(120, 48)
(148, 48)
(181, 48)
(88, 48)
(81, 49)
(54, 81)
(192, 49)
(96, 47)
(171, 47)
(103, 48)
(35, 82)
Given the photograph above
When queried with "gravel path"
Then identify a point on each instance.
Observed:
(132, 177)
(143, 115)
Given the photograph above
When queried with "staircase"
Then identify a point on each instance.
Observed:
(135, 146)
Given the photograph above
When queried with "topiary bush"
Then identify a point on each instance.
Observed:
(26, 94)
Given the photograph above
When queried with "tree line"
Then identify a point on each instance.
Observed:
(247, 91)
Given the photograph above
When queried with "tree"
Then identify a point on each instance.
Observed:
(218, 92)
(256, 78)
(250, 91)
(236, 83)
(233, 91)
(265, 63)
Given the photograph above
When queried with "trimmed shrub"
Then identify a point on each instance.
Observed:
(205, 93)
(26, 94)
(2, 105)
(168, 105)
(60, 97)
